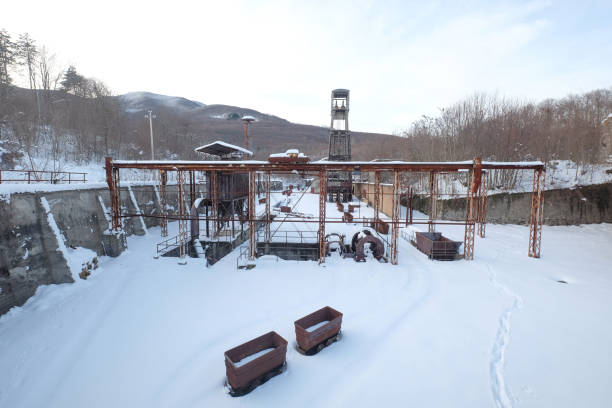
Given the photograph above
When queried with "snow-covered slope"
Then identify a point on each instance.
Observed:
(139, 101)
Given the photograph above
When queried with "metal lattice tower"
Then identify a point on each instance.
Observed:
(339, 184)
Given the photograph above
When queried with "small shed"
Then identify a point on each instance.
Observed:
(219, 150)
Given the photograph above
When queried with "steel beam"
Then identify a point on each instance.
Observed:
(376, 199)
(214, 193)
(182, 213)
(322, 207)
(163, 181)
(395, 223)
(252, 219)
(482, 204)
(537, 214)
(268, 219)
(433, 200)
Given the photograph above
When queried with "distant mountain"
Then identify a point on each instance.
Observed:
(268, 134)
(139, 101)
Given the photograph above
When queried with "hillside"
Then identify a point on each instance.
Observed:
(204, 123)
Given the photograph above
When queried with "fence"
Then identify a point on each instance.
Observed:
(41, 176)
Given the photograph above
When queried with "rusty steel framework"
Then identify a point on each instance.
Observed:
(182, 214)
(163, 203)
(395, 219)
(475, 204)
(468, 238)
(252, 225)
(214, 198)
(537, 214)
(268, 220)
(482, 204)
(322, 210)
(433, 202)
(376, 199)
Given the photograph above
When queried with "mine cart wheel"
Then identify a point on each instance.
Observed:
(239, 392)
(316, 349)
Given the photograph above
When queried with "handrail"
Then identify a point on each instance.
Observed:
(54, 177)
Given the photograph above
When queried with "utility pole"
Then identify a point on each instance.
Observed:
(151, 117)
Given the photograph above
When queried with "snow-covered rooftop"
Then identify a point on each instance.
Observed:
(219, 148)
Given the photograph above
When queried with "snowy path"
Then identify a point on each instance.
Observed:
(144, 332)
(501, 395)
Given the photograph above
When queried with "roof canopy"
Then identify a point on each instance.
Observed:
(221, 149)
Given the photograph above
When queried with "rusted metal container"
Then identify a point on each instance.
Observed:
(312, 190)
(351, 207)
(242, 377)
(436, 246)
(340, 207)
(262, 200)
(313, 341)
(348, 217)
(285, 209)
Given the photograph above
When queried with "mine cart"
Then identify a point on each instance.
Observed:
(254, 362)
(317, 330)
(436, 246)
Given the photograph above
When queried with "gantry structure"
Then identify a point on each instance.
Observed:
(186, 178)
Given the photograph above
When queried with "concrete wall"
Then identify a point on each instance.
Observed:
(582, 205)
(29, 255)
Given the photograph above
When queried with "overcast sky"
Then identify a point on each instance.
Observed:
(399, 59)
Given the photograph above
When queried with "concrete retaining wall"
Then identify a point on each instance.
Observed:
(582, 205)
(29, 255)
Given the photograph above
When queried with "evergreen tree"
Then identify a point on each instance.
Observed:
(73, 82)
(7, 59)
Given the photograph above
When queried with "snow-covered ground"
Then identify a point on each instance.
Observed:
(145, 332)
(497, 331)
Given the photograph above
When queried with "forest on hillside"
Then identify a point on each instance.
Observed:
(65, 116)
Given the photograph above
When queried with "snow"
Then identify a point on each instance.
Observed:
(229, 145)
(316, 326)
(75, 257)
(137, 208)
(496, 331)
(253, 357)
(248, 117)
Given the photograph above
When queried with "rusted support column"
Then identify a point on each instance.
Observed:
(376, 198)
(163, 203)
(537, 214)
(482, 204)
(433, 201)
(112, 179)
(214, 193)
(258, 184)
(268, 220)
(396, 216)
(322, 204)
(192, 188)
(182, 215)
(473, 183)
(252, 218)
